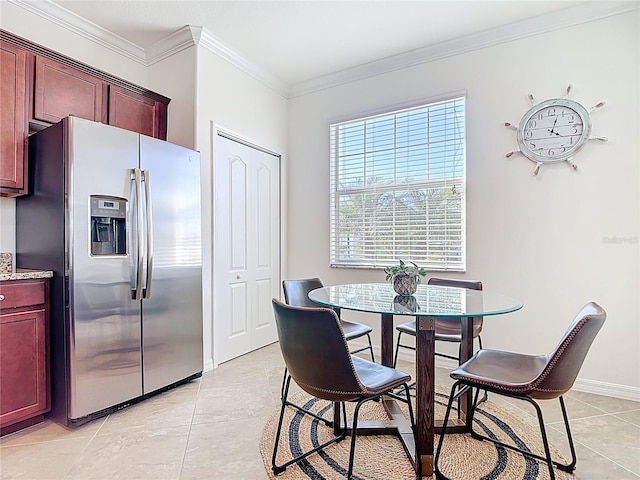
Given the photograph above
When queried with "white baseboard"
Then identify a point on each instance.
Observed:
(208, 365)
(614, 390)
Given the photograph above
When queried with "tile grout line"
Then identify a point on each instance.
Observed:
(86, 447)
(193, 414)
(607, 458)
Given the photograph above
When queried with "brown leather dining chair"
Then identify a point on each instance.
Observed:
(296, 293)
(314, 348)
(530, 378)
(446, 329)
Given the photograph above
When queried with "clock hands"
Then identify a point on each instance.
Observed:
(553, 127)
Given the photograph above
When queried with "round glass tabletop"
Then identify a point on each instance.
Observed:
(428, 301)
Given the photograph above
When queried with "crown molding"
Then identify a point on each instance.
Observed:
(179, 40)
(217, 46)
(568, 17)
(184, 38)
(80, 26)
(194, 35)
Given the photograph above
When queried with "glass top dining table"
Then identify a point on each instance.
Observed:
(429, 300)
(428, 303)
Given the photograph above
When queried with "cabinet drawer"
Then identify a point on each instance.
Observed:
(15, 294)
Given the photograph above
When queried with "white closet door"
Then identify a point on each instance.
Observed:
(246, 248)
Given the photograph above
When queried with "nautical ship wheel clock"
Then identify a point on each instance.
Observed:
(553, 130)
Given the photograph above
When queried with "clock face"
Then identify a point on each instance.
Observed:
(553, 130)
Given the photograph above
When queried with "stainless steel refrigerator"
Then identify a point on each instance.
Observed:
(116, 216)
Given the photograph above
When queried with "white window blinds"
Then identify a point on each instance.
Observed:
(398, 188)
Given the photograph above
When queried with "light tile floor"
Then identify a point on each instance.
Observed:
(211, 428)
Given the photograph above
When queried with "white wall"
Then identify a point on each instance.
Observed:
(229, 99)
(175, 77)
(7, 226)
(545, 239)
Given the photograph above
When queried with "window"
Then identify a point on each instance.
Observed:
(398, 188)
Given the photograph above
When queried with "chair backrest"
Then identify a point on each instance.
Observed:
(565, 361)
(454, 323)
(316, 353)
(453, 282)
(296, 292)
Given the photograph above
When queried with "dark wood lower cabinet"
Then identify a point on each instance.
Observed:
(24, 353)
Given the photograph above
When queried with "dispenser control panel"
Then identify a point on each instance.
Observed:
(112, 208)
(108, 225)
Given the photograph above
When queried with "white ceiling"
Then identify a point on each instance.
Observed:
(297, 41)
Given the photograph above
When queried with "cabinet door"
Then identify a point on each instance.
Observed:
(61, 90)
(132, 111)
(23, 366)
(13, 120)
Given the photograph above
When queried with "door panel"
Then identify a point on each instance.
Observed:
(61, 90)
(238, 186)
(246, 248)
(104, 349)
(238, 315)
(13, 119)
(134, 112)
(172, 316)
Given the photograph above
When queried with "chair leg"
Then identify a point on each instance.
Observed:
(570, 467)
(285, 390)
(281, 468)
(354, 424)
(354, 427)
(362, 349)
(398, 345)
(285, 402)
(452, 395)
(547, 458)
(485, 397)
(373, 358)
(284, 382)
(395, 358)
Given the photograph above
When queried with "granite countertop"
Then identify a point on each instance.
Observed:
(25, 274)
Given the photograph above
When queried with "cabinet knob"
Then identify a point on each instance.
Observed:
(1, 297)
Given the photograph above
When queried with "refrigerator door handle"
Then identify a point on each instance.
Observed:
(136, 293)
(149, 216)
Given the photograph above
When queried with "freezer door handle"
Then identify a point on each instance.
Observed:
(136, 293)
(149, 217)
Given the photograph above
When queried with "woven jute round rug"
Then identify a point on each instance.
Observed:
(383, 457)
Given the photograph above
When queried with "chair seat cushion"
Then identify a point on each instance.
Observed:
(377, 378)
(354, 330)
(503, 371)
(447, 329)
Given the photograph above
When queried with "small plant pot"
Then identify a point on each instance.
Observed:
(404, 285)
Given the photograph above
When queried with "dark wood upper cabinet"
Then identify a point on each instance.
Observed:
(61, 91)
(13, 119)
(39, 87)
(132, 111)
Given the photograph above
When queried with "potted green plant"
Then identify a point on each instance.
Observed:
(405, 277)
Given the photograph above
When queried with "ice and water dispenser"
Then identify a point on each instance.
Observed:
(108, 225)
